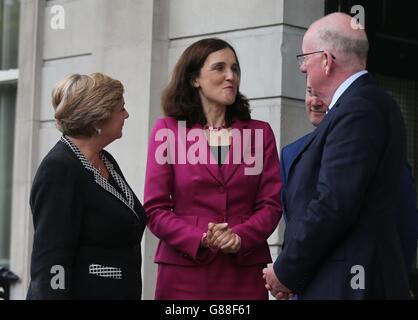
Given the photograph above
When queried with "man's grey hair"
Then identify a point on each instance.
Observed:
(339, 43)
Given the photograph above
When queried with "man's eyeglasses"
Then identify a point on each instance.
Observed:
(302, 57)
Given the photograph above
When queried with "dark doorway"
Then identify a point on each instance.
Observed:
(392, 29)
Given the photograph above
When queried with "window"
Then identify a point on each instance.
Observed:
(405, 93)
(7, 119)
(9, 31)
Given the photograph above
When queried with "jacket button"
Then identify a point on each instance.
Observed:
(185, 255)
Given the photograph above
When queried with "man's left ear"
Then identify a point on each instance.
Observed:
(327, 64)
(327, 69)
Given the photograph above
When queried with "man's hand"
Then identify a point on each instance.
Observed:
(273, 284)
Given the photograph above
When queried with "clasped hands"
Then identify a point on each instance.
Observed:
(219, 236)
(276, 288)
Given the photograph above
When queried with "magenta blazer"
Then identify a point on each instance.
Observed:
(180, 200)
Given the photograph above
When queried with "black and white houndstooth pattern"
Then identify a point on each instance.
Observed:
(99, 179)
(105, 272)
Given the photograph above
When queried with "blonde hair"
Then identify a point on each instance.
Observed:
(80, 101)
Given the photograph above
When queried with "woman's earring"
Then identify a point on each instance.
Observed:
(98, 130)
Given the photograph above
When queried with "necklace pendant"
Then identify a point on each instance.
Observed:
(213, 128)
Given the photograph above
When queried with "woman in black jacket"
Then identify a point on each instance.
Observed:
(88, 222)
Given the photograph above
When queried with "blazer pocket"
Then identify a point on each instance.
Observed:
(105, 272)
(169, 255)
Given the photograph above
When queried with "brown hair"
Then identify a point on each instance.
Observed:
(82, 100)
(181, 99)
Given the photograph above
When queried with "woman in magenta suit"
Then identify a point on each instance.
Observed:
(212, 189)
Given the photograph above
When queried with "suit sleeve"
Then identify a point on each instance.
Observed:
(57, 208)
(267, 206)
(283, 168)
(158, 203)
(349, 159)
(283, 175)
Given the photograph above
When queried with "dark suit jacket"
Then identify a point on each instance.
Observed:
(79, 224)
(287, 155)
(340, 198)
(406, 209)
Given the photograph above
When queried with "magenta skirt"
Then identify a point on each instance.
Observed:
(222, 279)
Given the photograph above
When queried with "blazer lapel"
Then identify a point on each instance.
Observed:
(236, 148)
(362, 80)
(210, 164)
(103, 183)
(308, 139)
(98, 178)
(310, 136)
(289, 154)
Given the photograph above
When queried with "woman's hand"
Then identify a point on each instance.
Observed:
(221, 237)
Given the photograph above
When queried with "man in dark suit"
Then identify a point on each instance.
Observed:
(406, 209)
(341, 240)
